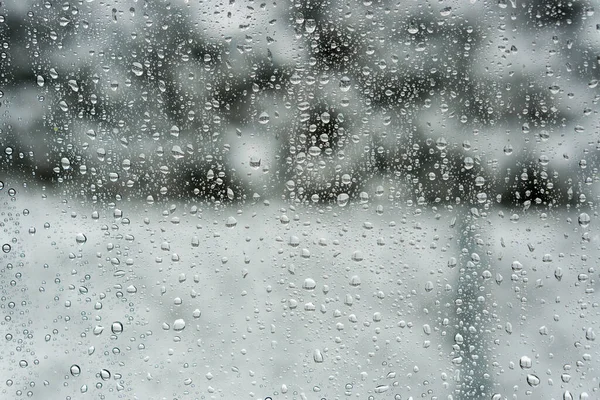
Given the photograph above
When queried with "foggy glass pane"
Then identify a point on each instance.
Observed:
(299, 200)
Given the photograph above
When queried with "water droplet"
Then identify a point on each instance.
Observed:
(75, 370)
(116, 327)
(255, 162)
(314, 151)
(441, 143)
(263, 118)
(452, 262)
(73, 85)
(179, 325)
(469, 163)
(446, 11)
(318, 356)
(525, 362)
(567, 395)
(533, 380)
(413, 28)
(309, 284)
(80, 238)
(137, 69)
(428, 286)
(589, 334)
(382, 388)
(6, 247)
(342, 199)
(584, 220)
(105, 374)
(458, 338)
(66, 164)
(310, 25)
(345, 84)
(231, 222)
(357, 256)
(177, 152)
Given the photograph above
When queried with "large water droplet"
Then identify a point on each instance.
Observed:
(116, 327)
(342, 199)
(137, 69)
(345, 84)
(309, 284)
(525, 362)
(533, 380)
(263, 118)
(231, 222)
(584, 220)
(66, 164)
(179, 325)
(75, 370)
(105, 374)
(318, 356)
(80, 238)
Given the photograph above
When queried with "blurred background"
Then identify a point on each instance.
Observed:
(299, 200)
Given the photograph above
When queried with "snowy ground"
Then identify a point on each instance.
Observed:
(290, 303)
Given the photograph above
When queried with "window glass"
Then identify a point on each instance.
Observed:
(299, 200)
